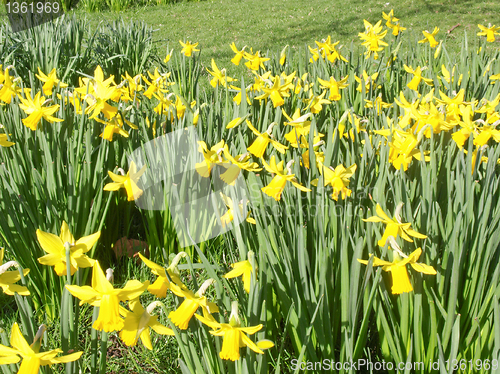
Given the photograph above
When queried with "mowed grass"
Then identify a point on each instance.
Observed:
(269, 26)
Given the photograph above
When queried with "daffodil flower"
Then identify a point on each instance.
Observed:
(162, 283)
(157, 85)
(315, 103)
(394, 227)
(277, 92)
(397, 268)
(259, 145)
(238, 54)
(55, 247)
(115, 126)
(97, 92)
(429, 37)
(138, 322)
(365, 80)
(486, 132)
(334, 86)
(235, 336)
(277, 185)
(211, 157)
(127, 181)
(36, 111)
(32, 358)
(9, 87)
(235, 165)
(489, 32)
(338, 178)
(169, 56)
(8, 278)
(188, 48)
(102, 294)
(49, 81)
(219, 76)
(245, 269)
(4, 141)
(229, 215)
(183, 314)
(372, 37)
(417, 78)
(255, 60)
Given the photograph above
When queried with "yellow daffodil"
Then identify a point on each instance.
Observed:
(36, 111)
(277, 91)
(486, 132)
(102, 294)
(137, 323)
(255, 60)
(403, 148)
(238, 54)
(334, 86)
(417, 78)
(115, 126)
(4, 142)
(132, 88)
(229, 215)
(338, 178)
(243, 268)
(283, 55)
(378, 104)
(429, 37)
(49, 81)
(259, 145)
(394, 226)
(188, 48)
(127, 181)
(169, 56)
(468, 127)
(157, 85)
(400, 280)
(97, 92)
(301, 128)
(315, 103)
(392, 23)
(277, 184)
(366, 80)
(235, 336)
(32, 358)
(211, 157)
(372, 37)
(9, 88)
(162, 283)
(8, 278)
(236, 164)
(397, 268)
(183, 314)
(55, 247)
(219, 76)
(327, 50)
(489, 32)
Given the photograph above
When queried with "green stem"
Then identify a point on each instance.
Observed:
(104, 350)
(93, 344)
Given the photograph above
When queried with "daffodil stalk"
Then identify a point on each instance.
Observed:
(69, 316)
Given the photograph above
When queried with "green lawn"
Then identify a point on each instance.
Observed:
(266, 25)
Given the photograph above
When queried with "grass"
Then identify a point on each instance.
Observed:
(265, 25)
